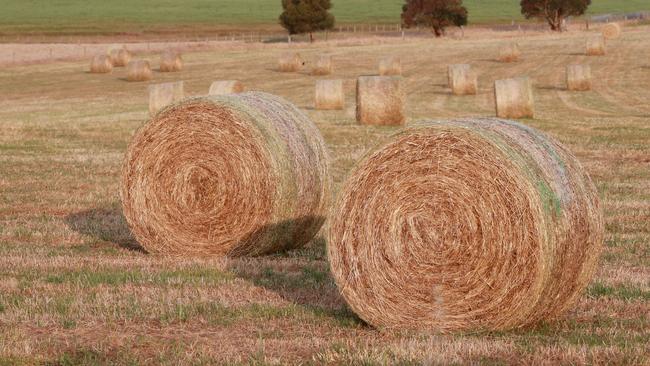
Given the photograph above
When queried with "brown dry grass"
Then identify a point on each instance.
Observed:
(75, 287)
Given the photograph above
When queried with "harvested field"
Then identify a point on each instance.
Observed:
(76, 287)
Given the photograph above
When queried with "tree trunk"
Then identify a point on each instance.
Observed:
(438, 31)
(311, 37)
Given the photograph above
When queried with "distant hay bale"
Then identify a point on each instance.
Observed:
(329, 94)
(222, 87)
(229, 175)
(290, 62)
(596, 46)
(138, 70)
(323, 65)
(611, 31)
(162, 95)
(390, 66)
(380, 100)
(510, 53)
(578, 77)
(514, 98)
(101, 64)
(463, 80)
(120, 57)
(171, 61)
(465, 225)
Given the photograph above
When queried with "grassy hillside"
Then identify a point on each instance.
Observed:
(99, 16)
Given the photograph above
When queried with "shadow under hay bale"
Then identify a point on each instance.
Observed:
(596, 46)
(380, 100)
(290, 62)
(138, 70)
(106, 224)
(465, 225)
(120, 57)
(222, 87)
(390, 66)
(101, 64)
(510, 53)
(514, 98)
(206, 176)
(323, 65)
(329, 94)
(171, 61)
(162, 95)
(578, 77)
(462, 79)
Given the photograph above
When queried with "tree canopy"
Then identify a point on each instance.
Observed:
(306, 16)
(436, 14)
(553, 11)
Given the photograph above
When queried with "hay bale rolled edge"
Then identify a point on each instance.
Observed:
(171, 61)
(323, 65)
(290, 62)
(329, 94)
(138, 70)
(463, 80)
(514, 98)
(578, 77)
(380, 100)
(222, 87)
(101, 64)
(238, 174)
(479, 224)
(389, 66)
(162, 95)
(611, 31)
(120, 57)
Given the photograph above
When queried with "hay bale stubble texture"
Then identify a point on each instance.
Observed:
(578, 77)
(290, 62)
(138, 70)
(101, 64)
(510, 53)
(222, 87)
(380, 100)
(611, 31)
(514, 98)
(466, 225)
(323, 65)
(329, 94)
(596, 46)
(171, 61)
(120, 57)
(162, 95)
(237, 174)
(390, 66)
(463, 80)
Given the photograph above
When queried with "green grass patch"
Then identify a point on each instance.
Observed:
(116, 277)
(623, 292)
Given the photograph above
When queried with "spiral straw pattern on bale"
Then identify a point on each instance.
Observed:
(120, 57)
(101, 64)
(171, 61)
(238, 174)
(473, 224)
(611, 31)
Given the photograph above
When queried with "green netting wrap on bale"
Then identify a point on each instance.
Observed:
(465, 225)
(238, 174)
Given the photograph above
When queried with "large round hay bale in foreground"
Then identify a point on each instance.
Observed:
(611, 31)
(101, 64)
(380, 100)
(596, 46)
(514, 98)
(290, 62)
(120, 57)
(329, 94)
(138, 70)
(390, 66)
(222, 87)
(323, 65)
(466, 225)
(462, 79)
(162, 95)
(578, 77)
(171, 61)
(237, 174)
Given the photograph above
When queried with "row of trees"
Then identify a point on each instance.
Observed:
(308, 16)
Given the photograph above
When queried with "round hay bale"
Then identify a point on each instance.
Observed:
(465, 225)
(120, 57)
(162, 95)
(171, 61)
(462, 79)
(101, 64)
(138, 70)
(290, 62)
(323, 65)
(237, 174)
(510, 53)
(514, 98)
(329, 94)
(596, 46)
(222, 87)
(390, 66)
(611, 31)
(380, 100)
(578, 77)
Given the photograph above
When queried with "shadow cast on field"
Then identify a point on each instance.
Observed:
(105, 224)
(551, 87)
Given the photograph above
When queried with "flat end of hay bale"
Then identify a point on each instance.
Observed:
(596, 46)
(612, 31)
(578, 77)
(380, 100)
(514, 98)
(462, 80)
(329, 94)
